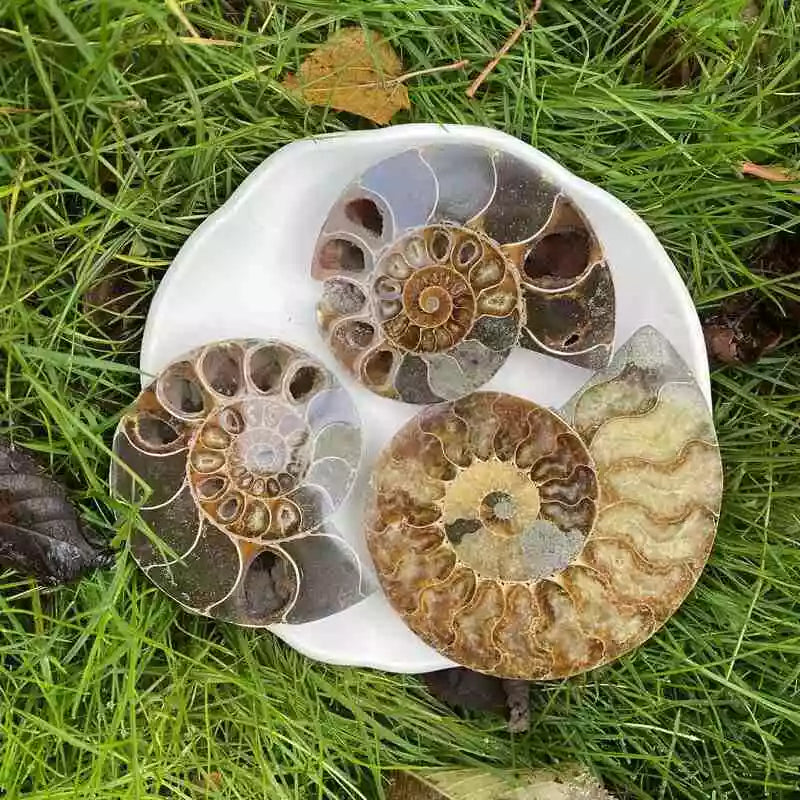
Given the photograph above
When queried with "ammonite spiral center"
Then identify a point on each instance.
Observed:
(246, 455)
(498, 505)
(263, 456)
(433, 313)
(492, 507)
(429, 297)
(434, 283)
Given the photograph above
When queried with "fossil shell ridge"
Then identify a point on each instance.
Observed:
(530, 545)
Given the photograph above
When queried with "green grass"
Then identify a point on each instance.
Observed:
(123, 139)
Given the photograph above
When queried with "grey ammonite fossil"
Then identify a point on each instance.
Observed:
(248, 447)
(438, 260)
(529, 544)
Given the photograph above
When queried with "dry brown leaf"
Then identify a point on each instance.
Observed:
(41, 534)
(770, 172)
(356, 71)
(750, 324)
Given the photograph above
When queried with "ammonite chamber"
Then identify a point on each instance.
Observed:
(438, 260)
(243, 449)
(533, 545)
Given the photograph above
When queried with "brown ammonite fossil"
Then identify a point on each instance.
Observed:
(238, 453)
(438, 260)
(528, 544)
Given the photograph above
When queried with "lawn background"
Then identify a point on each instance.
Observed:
(117, 138)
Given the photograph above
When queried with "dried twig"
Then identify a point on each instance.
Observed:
(417, 72)
(195, 37)
(206, 42)
(509, 43)
(173, 6)
(775, 174)
(406, 76)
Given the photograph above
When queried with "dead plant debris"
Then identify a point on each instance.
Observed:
(671, 62)
(356, 71)
(744, 328)
(564, 782)
(474, 691)
(527, 20)
(116, 301)
(41, 535)
(359, 72)
(773, 173)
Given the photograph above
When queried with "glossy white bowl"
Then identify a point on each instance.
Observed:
(245, 272)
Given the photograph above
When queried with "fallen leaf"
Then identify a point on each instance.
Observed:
(41, 535)
(210, 783)
(751, 11)
(740, 331)
(465, 688)
(518, 702)
(568, 782)
(356, 71)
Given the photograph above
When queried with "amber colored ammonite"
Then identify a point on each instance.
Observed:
(528, 544)
(238, 453)
(438, 260)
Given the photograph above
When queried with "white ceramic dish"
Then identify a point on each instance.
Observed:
(245, 273)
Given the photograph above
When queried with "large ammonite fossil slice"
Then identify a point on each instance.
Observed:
(237, 453)
(438, 260)
(524, 545)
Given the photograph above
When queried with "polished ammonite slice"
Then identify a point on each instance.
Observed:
(237, 454)
(533, 545)
(438, 260)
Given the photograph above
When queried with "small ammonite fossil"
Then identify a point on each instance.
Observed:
(238, 452)
(527, 544)
(438, 260)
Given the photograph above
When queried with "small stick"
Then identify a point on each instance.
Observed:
(203, 41)
(173, 6)
(392, 81)
(776, 174)
(417, 72)
(509, 43)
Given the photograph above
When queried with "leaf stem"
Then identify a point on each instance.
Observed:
(417, 72)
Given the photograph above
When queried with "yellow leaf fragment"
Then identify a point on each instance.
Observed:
(356, 71)
(568, 782)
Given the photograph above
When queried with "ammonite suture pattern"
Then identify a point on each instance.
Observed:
(530, 545)
(438, 260)
(243, 449)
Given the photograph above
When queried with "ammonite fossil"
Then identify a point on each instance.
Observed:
(247, 447)
(533, 545)
(438, 260)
